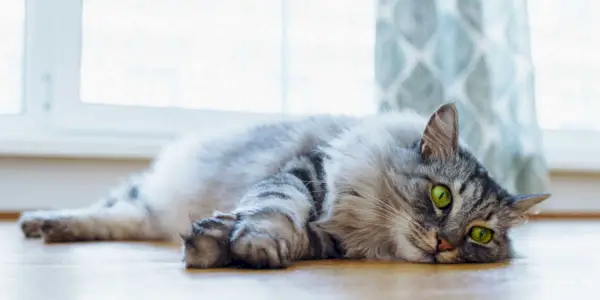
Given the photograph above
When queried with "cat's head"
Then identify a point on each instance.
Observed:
(431, 202)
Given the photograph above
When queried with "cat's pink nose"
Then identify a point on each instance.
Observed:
(443, 245)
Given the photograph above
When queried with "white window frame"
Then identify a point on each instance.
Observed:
(55, 123)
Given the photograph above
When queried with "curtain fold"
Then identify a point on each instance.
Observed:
(474, 53)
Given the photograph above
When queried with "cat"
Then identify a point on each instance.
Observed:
(395, 186)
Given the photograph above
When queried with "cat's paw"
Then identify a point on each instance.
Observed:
(58, 230)
(30, 223)
(258, 248)
(207, 246)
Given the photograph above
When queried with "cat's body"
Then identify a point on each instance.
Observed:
(319, 187)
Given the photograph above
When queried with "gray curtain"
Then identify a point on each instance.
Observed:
(476, 54)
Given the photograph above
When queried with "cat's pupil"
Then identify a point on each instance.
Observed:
(442, 195)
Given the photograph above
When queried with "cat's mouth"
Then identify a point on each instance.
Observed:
(428, 247)
(434, 256)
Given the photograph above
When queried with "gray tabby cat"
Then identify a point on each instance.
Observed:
(395, 186)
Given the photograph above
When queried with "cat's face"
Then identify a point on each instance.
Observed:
(434, 203)
(458, 213)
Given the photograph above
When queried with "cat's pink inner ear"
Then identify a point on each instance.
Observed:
(440, 137)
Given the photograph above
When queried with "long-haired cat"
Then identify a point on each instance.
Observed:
(395, 186)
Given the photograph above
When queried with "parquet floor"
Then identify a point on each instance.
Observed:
(557, 261)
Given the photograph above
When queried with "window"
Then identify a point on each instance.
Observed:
(106, 70)
(158, 67)
(567, 71)
(330, 47)
(214, 55)
(12, 18)
(565, 53)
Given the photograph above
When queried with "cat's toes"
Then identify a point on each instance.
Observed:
(30, 225)
(260, 249)
(208, 244)
(57, 230)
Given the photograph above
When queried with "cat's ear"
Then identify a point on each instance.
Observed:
(440, 137)
(522, 203)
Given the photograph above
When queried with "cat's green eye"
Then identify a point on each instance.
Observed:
(481, 234)
(440, 195)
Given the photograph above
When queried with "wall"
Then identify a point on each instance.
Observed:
(29, 183)
(573, 192)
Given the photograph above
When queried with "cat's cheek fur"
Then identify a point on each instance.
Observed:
(407, 252)
(356, 241)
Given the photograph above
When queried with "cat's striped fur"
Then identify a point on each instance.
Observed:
(320, 187)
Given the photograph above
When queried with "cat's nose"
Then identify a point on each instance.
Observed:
(443, 245)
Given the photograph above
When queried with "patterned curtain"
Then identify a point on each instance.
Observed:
(474, 53)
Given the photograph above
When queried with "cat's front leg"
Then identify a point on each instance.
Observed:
(267, 240)
(266, 230)
(256, 240)
(207, 243)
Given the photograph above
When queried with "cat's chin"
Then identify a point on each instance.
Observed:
(428, 257)
(432, 259)
(415, 255)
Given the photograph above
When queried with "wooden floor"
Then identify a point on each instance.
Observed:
(558, 261)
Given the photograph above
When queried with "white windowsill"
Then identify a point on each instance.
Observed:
(572, 150)
(566, 151)
(82, 147)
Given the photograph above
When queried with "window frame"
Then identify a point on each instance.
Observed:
(27, 121)
(68, 114)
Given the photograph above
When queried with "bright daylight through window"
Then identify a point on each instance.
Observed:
(565, 55)
(11, 52)
(260, 56)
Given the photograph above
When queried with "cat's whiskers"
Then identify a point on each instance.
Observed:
(403, 201)
(390, 227)
(421, 237)
(403, 213)
(386, 214)
(417, 232)
(390, 216)
(395, 214)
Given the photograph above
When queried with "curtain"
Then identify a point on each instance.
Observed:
(474, 53)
